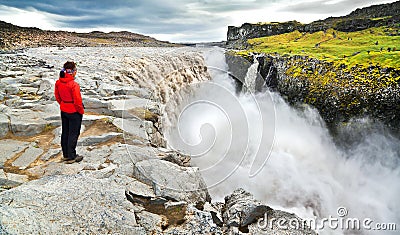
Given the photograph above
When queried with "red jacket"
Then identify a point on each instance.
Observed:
(68, 95)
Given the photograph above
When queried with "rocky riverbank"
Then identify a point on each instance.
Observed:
(128, 182)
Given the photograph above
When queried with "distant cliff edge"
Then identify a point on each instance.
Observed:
(360, 19)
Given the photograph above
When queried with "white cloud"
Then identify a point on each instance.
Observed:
(27, 18)
(31, 17)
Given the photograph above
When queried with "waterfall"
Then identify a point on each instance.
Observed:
(286, 157)
(251, 76)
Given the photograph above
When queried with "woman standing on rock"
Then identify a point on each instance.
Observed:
(68, 95)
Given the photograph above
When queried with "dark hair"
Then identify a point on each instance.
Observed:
(62, 74)
(70, 65)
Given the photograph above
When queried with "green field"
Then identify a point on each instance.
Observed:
(370, 46)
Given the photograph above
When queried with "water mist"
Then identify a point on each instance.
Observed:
(285, 157)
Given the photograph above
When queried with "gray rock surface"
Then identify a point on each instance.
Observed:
(50, 112)
(126, 156)
(9, 148)
(172, 181)
(153, 223)
(9, 180)
(4, 125)
(50, 154)
(6, 184)
(93, 140)
(242, 213)
(25, 122)
(270, 224)
(71, 204)
(197, 222)
(46, 88)
(27, 157)
(241, 209)
(16, 178)
(132, 126)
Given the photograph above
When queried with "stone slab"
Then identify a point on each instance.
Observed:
(9, 148)
(28, 157)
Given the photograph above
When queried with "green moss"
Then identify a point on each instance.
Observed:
(336, 88)
(49, 127)
(244, 54)
(381, 18)
(353, 48)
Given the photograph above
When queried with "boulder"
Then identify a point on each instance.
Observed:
(175, 157)
(174, 212)
(197, 222)
(9, 180)
(46, 88)
(153, 223)
(50, 154)
(242, 214)
(132, 126)
(172, 181)
(241, 210)
(26, 122)
(271, 224)
(4, 125)
(6, 184)
(96, 105)
(56, 168)
(126, 156)
(12, 90)
(50, 112)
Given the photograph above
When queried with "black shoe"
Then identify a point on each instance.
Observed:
(66, 159)
(70, 161)
(78, 158)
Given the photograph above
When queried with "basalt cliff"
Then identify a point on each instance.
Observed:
(369, 17)
(329, 64)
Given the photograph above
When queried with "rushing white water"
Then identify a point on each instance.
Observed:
(304, 172)
(250, 79)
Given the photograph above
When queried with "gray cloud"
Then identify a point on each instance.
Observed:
(219, 6)
(148, 17)
(196, 19)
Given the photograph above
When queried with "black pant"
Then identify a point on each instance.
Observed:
(71, 128)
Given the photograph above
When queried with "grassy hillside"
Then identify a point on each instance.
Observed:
(371, 46)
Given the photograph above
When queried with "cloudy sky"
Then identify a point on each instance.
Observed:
(171, 20)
